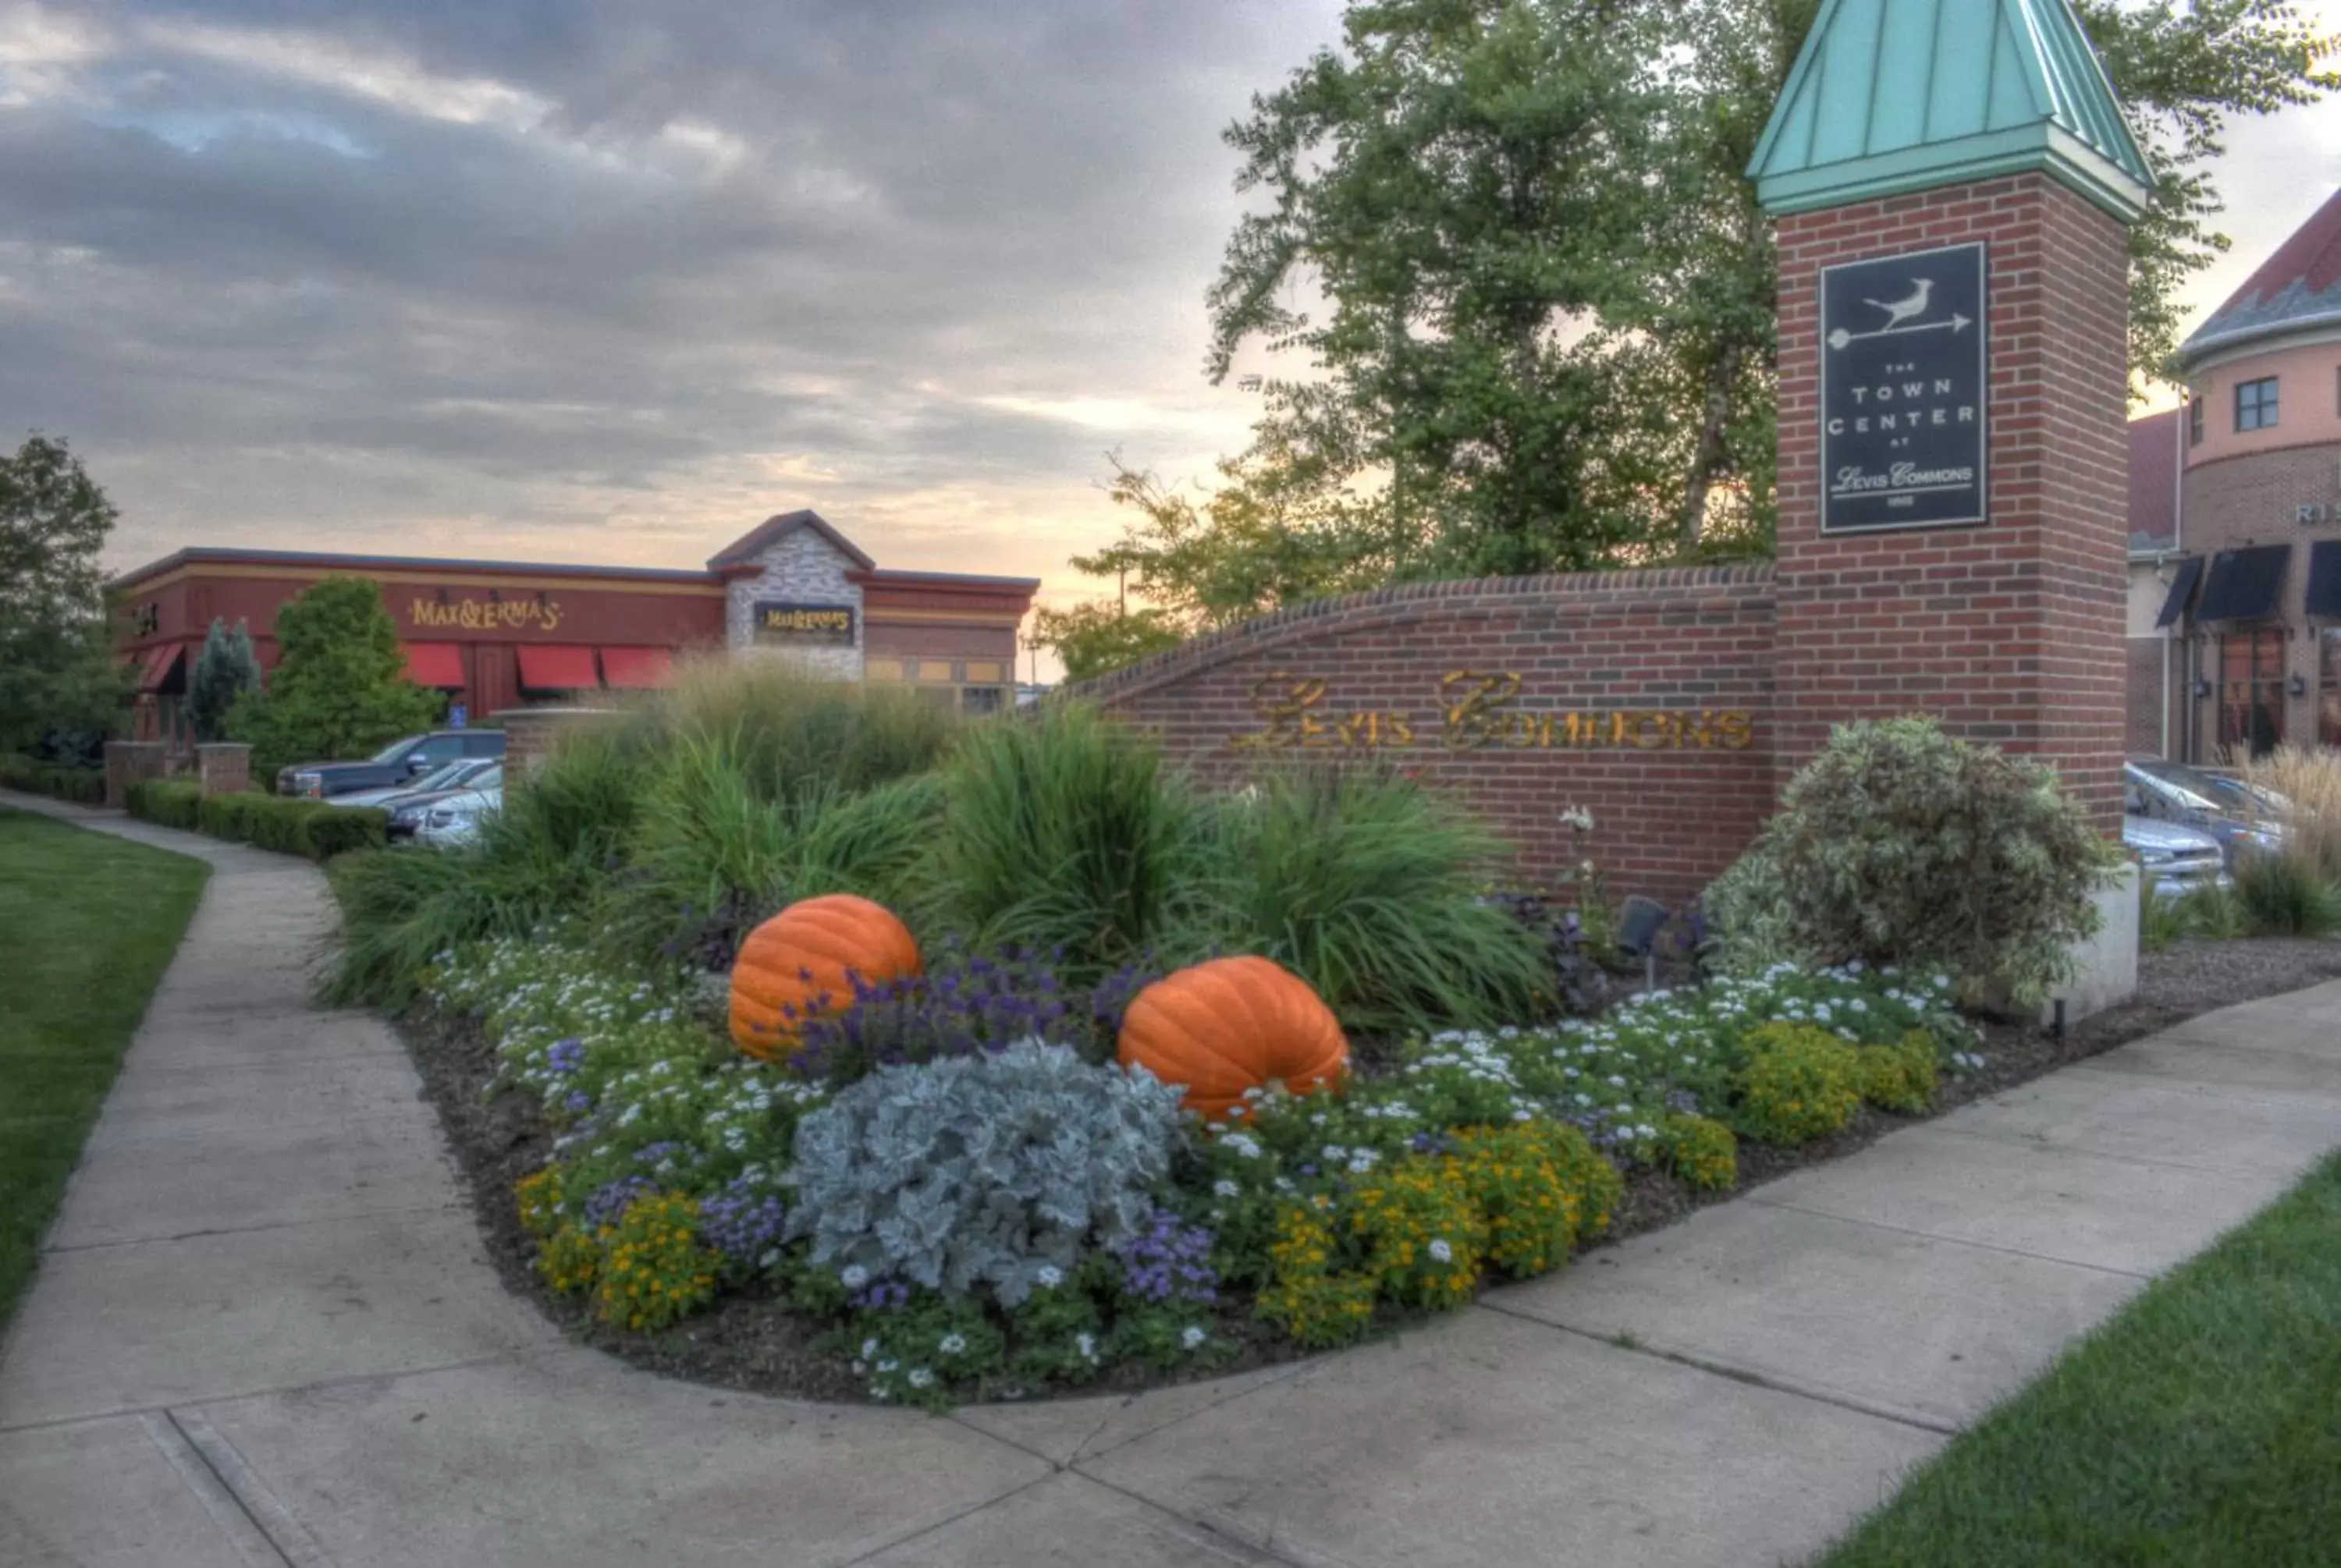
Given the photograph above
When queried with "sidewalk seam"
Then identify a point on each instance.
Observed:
(218, 1499)
(233, 1396)
(1955, 1240)
(286, 1533)
(251, 1229)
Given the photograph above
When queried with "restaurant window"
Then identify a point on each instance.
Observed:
(2251, 692)
(981, 700)
(2194, 422)
(2329, 702)
(2256, 406)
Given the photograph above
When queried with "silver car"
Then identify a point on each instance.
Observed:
(2178, 857)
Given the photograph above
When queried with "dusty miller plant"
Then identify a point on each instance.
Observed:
(1901, 844)
(988, 1168)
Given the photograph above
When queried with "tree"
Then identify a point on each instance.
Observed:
(225, 669)
(340, 687)
(62, 689)
(1093, 638)
(1548, 290)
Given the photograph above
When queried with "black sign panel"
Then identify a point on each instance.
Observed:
(1904, 389)
(827, 625)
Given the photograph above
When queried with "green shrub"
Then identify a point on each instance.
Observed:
(80, 786)
(2161, 916)
(2212, 912)
(1902, 1077)
(1899, 844)
(709, 857)
(1700, 1152)
(790, 732)
(1069, 832)
(1367, 887)
(169, 802)
(338, 829)
(1799, 1083)
(2287, 895)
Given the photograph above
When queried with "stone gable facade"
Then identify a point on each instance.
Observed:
(799, 568)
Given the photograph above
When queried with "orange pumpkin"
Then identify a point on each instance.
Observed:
(798, 964)
(1230, 1025)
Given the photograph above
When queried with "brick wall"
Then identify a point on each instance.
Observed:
(2147, 694)
(2012, 632)
(2252, 499)
(1661, 669)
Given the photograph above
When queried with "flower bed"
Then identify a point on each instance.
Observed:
(964, 1212)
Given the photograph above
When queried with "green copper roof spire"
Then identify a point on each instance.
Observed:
(1894, 95)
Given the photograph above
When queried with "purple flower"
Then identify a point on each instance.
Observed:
(1168, 1261)
(884, 1296)
(565, 1056)
(609, 1202)
(578, 1101)
(740, 1221)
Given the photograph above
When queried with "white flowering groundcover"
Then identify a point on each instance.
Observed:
(1148, 1259)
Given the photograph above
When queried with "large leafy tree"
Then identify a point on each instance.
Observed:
(61, 688)
(1513, 248)
(340, 687)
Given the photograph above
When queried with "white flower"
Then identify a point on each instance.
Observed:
(1223, 1187)
(853, 1276)
(1334, 1153)
(869, 1348)
(1192, 1337)
(1361, 1162)
(1050, 1276)
(952, 1344)
(921, 1377)
(1085, 1346)
(1441, 1251)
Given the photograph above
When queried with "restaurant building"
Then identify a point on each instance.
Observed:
(2234, 641)
(496, 635)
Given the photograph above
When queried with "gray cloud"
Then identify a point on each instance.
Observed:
(518, 269)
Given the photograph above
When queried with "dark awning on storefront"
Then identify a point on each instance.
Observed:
(638, 668)
(2182, 591)
(557, 668)
(2325, 579)
(2243, 583)
(160, 675)
(439, 664)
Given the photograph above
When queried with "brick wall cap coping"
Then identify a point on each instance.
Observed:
(508, 714)
(1216, 646)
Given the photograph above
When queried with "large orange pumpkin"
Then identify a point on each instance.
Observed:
(796, 965)
(1230, 1025)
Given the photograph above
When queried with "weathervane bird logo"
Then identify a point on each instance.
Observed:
(1902, 310)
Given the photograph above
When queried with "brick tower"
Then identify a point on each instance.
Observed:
(1954, 180)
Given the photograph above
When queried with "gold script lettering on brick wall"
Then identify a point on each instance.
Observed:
(1478, 709)
(484, 615)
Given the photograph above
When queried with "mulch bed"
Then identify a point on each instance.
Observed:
(754, 1344)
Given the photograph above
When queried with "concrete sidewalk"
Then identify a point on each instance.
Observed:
(264, 1333)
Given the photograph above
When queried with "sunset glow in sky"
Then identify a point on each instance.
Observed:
(584, 279)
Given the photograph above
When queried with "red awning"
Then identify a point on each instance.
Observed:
(557, 668)
(439, 664)
(162, 663)
(638, 668)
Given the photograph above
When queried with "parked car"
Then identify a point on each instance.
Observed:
(2178, 859)
(455, 818)
(2240, 816)
(409, 811)
(456, 775)
(399, 763)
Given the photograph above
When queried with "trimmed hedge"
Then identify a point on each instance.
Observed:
(82, 786)
(315, 829)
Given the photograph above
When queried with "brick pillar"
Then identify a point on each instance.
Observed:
(127, 763)
(2011, 632)
(224, 768)
(533, 734)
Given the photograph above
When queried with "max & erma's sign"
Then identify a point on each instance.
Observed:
(1476, 710)
(1905, 382)
(828, 624)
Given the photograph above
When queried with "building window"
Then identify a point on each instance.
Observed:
(2329, 703)
(2251, 692)
(2194, 422)
(978, 700)
(2256, 405)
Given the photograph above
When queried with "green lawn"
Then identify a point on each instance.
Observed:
(2202, 1426)
(87, 925)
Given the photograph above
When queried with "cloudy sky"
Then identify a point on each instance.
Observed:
(597, 280)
